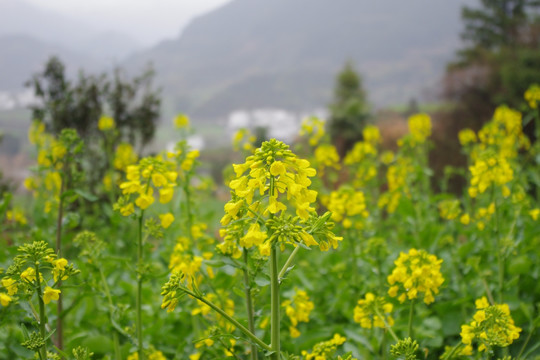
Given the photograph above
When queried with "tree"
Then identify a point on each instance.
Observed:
(133, 104)
(499, 62)
(497, 24)
(62, 104)
(349, 111)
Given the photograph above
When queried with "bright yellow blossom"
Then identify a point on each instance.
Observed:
(5, 299)
(50, 294)
(369, 310)
(532, 96)
(181, 121)
(106, 123)
(166, 220)
(297, 310)
(415, 272)
(491, 326)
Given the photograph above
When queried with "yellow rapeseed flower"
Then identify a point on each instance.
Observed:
(106, 123)
(50, 294)
(416, 272)
(166, 220)
(491, 326)
(181, 121)
(5, 299)
(532, 96)
(367, 312)
(297, 310)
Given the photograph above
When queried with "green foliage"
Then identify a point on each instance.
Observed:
(79, 105)
(349, 110)
(499, 61)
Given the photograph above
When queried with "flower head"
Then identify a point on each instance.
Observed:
(491, 326)
(369, 310)
(416, 272)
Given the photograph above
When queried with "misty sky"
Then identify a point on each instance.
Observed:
(147, 21)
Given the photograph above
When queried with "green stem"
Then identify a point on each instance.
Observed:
(274, 288)
(411, 314)
(59, 306)
(42, 317)
(288, 263)
(531, 332)
(187, 192)
(488, 291)
(116, 342)
(451, 353)
(354, 260)
(230, 319)
(249, 305)
(386, 325)
(138, 304)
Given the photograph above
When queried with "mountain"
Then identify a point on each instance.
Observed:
(43, 32)
(286, 53)
(20, 17)
(24, 55)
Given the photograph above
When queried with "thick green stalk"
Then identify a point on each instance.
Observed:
(138, 303)
(116, 342)
(42, 317)
(411, 315)
(274, 288)
(249, 305)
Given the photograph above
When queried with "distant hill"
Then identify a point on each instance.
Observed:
(21, 56)
(286, 53)
(29, 35)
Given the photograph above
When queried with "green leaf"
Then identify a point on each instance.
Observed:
(86, 195)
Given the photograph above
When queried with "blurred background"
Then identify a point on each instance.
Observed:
(263, 65)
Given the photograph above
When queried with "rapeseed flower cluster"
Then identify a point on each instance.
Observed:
(449, 209)
(348, 207)
(326, 156)
(419, 130)
(138, 190)
(106, 123)
(271, 181)
(416, 272)
(467, 137)
(273, 169)
(181, 121)
(369, 310)
(398, 178)
(17, 216)
(491, 326)
(185, 158)
(243, 139)
(362, 158)
(184, 261)
(298, 309)
(314, 128)
(326, 349)
(490, 171)
(21, 278)
(46, 183)
(532, 96)
(150, 355)
(227, 304)
(124, 156)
